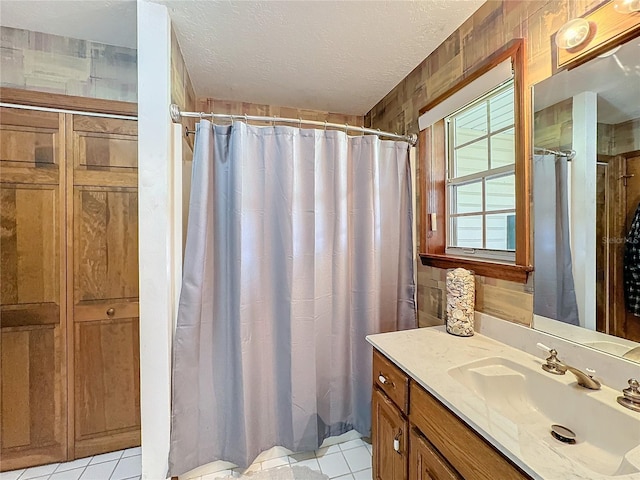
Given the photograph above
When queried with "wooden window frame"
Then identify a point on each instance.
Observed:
(433, 169)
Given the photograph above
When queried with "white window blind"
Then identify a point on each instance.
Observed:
(480, 86)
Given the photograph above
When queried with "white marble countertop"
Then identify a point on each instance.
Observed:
(427, 354)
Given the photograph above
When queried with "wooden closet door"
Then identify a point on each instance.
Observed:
(631, 326)
(104, 273)
(33, 401)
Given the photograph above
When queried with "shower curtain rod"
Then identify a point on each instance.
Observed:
(177, 115)
(567, 153)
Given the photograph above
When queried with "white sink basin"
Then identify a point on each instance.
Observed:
(610, 347)
(607, 435)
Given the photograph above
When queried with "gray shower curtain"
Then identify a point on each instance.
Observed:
(555, 294)
(299, 244)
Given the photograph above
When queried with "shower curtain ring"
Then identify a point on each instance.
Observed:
(325, 125)
(346, 127)
(299, 122)
(246, 120)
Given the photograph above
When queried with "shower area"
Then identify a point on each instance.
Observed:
(299, 238)
(299, 243)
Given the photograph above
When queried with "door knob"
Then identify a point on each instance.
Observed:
(111, 312)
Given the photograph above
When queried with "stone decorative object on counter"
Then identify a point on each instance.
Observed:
(461, 294)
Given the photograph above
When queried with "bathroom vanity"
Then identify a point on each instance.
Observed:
(447, 407)
(414, 434)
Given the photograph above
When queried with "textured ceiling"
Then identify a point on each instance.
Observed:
(338, 56)
(111, 22)
(331, 55)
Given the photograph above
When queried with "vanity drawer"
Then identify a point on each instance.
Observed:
(425, 463)
(391, 380)
(463, 448)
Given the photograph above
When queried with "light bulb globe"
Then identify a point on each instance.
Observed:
(626, 6)
(573, 33)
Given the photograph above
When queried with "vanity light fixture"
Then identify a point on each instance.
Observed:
(574, 33)
(626, 6)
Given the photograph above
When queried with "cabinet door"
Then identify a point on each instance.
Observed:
(389, 439)
(472, 456)
(32, 303)
(425, 463)
(104, 273)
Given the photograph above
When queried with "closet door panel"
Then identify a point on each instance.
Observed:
(33, 398)
(106, 245)
(105, 152)
(107, 385)
(29, 253)
(31, 394)
(105, 285)
(15, 389)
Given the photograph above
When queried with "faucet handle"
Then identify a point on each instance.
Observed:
(631, 398)
(553, 365)
(634, 390)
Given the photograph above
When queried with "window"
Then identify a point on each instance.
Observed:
(474, 170)
(481, 200)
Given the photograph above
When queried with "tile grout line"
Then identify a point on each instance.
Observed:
(85, 468)
(114, 468)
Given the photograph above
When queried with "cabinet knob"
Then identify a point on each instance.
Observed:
(385, 381)
(396, 442)
(111, 312)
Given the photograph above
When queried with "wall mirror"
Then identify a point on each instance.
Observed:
(586, 194)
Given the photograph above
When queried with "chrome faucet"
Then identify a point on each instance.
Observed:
(585, 380)
(555, 366)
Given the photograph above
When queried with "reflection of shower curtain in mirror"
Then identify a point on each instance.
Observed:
(553, 279)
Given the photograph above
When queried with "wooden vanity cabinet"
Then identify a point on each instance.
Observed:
(390, 439)
(468, 453)
(416, 437)
(390, 427)
(425, 462)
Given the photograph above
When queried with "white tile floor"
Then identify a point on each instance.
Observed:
(120, 465)
(349, 459)
(340, 458)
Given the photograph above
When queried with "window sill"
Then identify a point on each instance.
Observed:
(502, 271)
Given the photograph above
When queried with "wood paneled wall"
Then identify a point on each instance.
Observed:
(553, 129)
(241, 108)
(54, 64)
(488, 29)
(626, 137)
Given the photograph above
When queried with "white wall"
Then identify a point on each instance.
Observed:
(583, 206)
(159, 220)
